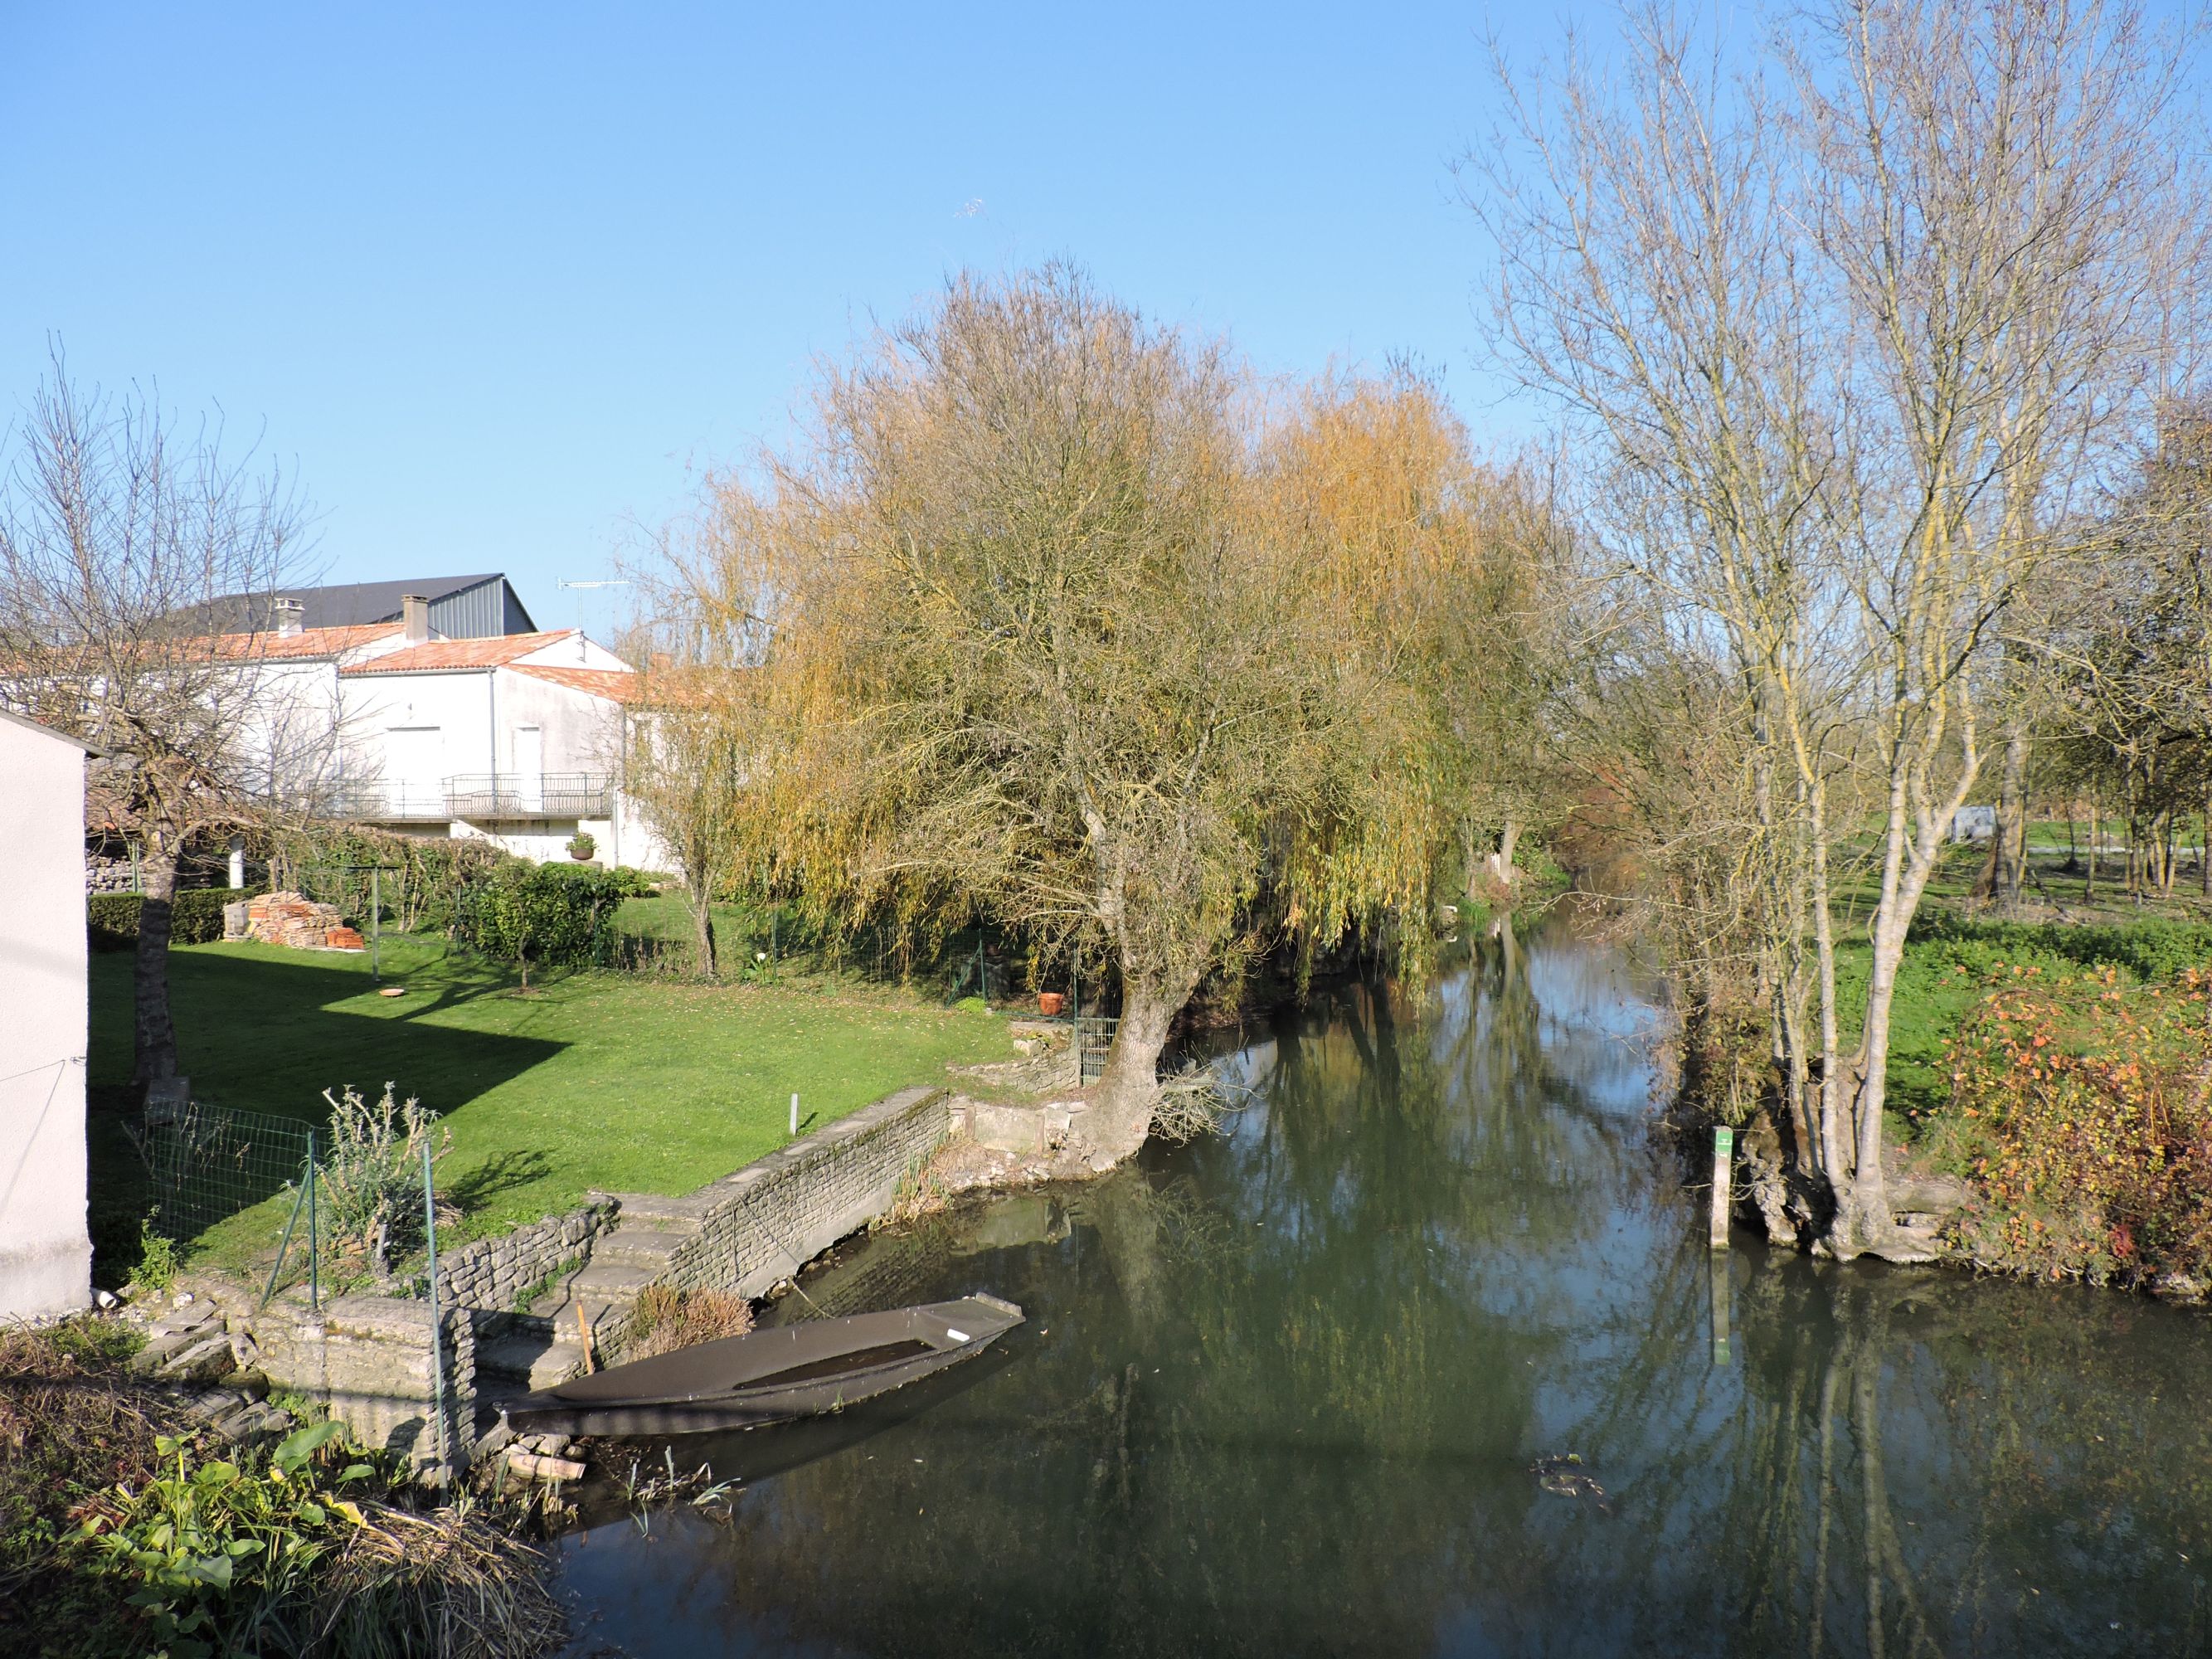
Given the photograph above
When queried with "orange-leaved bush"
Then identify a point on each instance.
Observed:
(2088, 1100)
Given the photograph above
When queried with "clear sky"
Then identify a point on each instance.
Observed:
(499, 279)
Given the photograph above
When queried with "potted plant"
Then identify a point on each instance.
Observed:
(1049, 1003)
(581, 846)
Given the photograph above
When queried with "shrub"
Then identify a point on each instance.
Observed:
(558, 915)
(194, 916)
(2087, 1103)
(157, 1263)
(635, 884)
(372, 1178)
(2150, 950)
(423, 884)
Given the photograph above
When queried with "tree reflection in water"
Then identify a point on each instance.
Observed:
(1280, 1392)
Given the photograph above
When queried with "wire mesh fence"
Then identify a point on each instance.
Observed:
(204, 1164)
(1094, 1041)
(349, 1208)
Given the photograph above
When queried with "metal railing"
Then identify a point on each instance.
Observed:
(504, 795)
(472, 795)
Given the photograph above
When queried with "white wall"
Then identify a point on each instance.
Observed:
(45, 1256)
(458, 702)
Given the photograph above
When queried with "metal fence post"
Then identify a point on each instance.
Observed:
(314, 1231)
(437, 1332)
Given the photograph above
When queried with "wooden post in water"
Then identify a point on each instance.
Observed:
(1723, 1159)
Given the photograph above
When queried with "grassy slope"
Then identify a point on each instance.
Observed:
(596, 1080)
(1940, 980)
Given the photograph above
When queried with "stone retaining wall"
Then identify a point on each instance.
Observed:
(761, 1224)
(490, 1273)
(367, 1359)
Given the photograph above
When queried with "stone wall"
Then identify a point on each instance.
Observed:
(761, 1224)
(367, 1359)
(490, 1275)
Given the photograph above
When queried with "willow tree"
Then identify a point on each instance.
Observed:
(1443, 576)
(1852, 333)
(1024, 651)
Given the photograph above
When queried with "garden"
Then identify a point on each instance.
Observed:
(550, 1079)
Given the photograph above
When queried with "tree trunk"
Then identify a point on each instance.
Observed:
(1501, 861)
(154, 1034)
(1120, 1114)
(702, 918)
(2009, 845)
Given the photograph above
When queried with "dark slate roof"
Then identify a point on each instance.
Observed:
(350, 604)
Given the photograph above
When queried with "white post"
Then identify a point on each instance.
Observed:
(237, 862)
(1723, 1159)
(794, 1116)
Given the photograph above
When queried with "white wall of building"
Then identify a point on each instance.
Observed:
(45, 1255)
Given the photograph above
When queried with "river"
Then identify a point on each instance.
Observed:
(1289, 1390)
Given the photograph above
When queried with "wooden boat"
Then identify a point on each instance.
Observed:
(769, 1375)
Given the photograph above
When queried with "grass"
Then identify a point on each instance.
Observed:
(593, 1079)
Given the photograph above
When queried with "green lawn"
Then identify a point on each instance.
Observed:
(593, 1079)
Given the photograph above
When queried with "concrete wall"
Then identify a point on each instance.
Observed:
(45, 1256)
(761, 1224)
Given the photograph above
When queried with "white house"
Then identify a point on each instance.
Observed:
(518, 738)
(46, 1254)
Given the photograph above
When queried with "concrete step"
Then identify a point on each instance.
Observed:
(660, 1211)
(637, 1247)
(601, 1285)
(532, 1360)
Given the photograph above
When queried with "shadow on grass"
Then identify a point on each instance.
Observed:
(265, 1035)
(498, 1176)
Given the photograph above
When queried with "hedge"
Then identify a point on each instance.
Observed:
(194, 916)
(557, 915)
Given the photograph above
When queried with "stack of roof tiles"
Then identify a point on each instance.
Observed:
(293, 920)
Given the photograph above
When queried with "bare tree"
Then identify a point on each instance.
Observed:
(125, 545)
(1853, 332)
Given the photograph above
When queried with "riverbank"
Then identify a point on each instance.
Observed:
(2048, 1101)
(129, 1523)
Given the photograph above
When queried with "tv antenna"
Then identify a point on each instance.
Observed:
(609, 581)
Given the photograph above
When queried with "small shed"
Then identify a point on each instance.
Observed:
(46, 1254)
(1974, 824)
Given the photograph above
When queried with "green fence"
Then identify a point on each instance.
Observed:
(205, 1164)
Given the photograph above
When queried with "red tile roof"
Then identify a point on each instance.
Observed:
(615, 684)
(494, 653)
(308, 642)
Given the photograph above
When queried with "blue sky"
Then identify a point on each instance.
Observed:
(500, 279)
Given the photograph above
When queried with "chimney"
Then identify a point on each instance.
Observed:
(415, 615)
(291, 617)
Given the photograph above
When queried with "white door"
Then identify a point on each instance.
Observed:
(530, 768)
(414, 770)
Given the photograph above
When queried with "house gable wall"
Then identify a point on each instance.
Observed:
(45, 1255)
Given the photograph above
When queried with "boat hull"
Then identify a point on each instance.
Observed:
(770, 1375)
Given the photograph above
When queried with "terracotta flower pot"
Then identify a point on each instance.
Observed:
(1049, 1003)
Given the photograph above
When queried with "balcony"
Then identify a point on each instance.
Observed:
(503, 795)
(482, 795)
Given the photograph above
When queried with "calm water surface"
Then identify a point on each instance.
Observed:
(1281, 1393)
